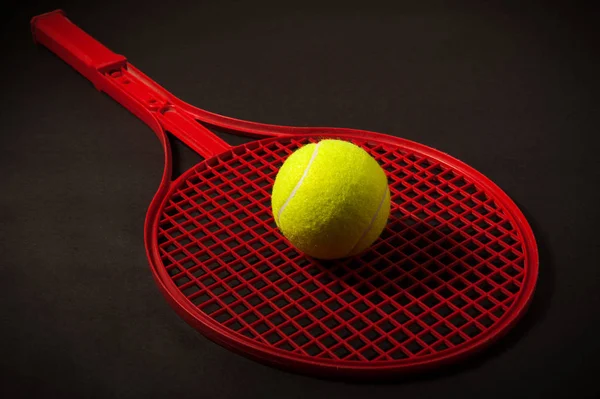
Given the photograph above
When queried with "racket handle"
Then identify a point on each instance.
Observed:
(84, 53)
(112, 74)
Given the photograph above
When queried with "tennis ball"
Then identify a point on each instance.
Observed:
(331, 199)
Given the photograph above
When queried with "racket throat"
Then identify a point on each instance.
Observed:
(188, 130)
(126, 84)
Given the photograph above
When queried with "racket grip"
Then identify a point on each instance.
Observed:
(84, 53)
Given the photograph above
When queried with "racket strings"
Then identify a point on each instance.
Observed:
(446, 269)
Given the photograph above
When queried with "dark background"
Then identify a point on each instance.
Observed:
(510, 89)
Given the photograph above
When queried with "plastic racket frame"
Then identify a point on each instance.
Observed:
(453, 270)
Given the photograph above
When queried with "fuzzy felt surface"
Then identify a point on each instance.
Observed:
(331, 199)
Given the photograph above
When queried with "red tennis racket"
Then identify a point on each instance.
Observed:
(453, 270)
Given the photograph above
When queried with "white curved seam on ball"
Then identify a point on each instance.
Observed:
(293, 193)
(385, 191)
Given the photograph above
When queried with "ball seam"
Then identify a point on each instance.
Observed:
(293, 193)
(373, 219)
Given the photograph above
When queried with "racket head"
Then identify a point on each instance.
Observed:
(453, 270)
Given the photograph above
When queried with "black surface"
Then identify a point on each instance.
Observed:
(511, 90)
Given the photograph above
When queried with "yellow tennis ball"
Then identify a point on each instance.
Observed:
(331, 199)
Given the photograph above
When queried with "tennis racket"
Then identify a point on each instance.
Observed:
(453, 270)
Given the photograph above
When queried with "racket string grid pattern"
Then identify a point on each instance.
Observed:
(446, 269)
